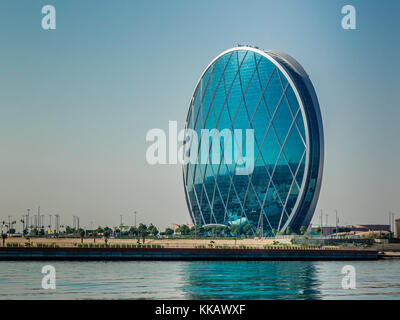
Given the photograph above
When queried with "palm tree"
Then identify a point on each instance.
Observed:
(106, 235)
(4, 237)
(153, 230)
(169, 232)
(133, 231)
(94, 234)
(303, 230)
(184, 230)
(82, 234)
(143, 231)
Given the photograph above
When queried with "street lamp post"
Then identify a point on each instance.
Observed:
(23, 225)
(28, 220)
(135, 213)
(336, 231)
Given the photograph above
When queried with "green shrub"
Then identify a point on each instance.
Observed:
(12, 244)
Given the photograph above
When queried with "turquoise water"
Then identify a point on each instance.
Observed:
(201, 280)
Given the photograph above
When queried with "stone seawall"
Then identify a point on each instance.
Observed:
(182, 254)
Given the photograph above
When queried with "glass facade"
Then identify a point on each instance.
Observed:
(270, 93)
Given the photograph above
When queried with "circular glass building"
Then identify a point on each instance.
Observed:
(257, 145)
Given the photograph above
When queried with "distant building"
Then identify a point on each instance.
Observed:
(397, 228)
(325, 231)
(122, 228)
(245, 88)
(371, 227)
(176, 226)
(328, 230)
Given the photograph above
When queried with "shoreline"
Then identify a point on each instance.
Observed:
(210, 249)
(191, 254)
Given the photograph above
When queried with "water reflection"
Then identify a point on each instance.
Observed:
(251, 280)
(201, 280)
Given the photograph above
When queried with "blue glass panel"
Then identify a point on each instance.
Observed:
(284, 81)
(300, 125)
(206, 104)
(282, 178)
(282, 121)
(273, 93)
(231, 72)
(265, 69)
(291, 201)
(226, 58)
(292, 100)
(219, 103)
(242, 55)
(247, 70)
(216, 75)
(300, 172)
(260, 126)
(293, 149)
(252, 96)
(270, 150)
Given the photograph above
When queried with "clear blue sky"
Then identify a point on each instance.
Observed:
(76, 102)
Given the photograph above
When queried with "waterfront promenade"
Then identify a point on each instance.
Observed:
(177, 249)
(184, 243)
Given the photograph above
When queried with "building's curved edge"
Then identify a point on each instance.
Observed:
(295, 69)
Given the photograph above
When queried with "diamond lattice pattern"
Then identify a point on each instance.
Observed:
(245, 90)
